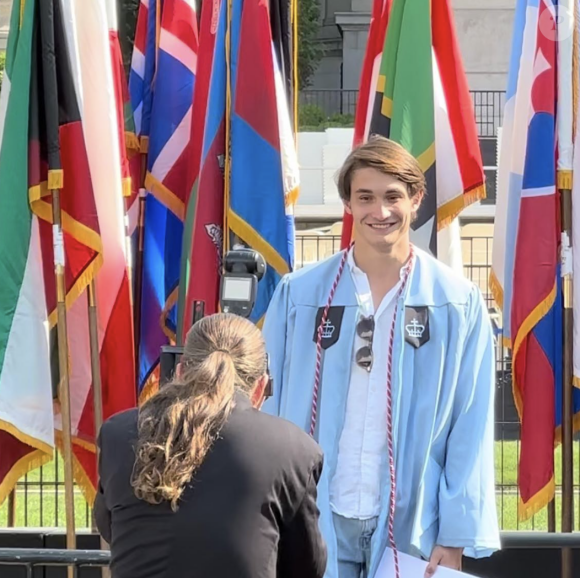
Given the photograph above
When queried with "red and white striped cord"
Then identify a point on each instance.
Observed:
(317, 374)
(317, 377)
(390, 442)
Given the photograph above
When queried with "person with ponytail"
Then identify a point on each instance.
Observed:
(199, 483)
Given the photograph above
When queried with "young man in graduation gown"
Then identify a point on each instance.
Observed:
(386, 357)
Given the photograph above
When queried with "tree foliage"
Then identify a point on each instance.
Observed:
(127, 24)
(309, 48)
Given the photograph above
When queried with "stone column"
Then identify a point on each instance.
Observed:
(354, 26)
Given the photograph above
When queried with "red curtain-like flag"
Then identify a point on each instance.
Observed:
(74, 150)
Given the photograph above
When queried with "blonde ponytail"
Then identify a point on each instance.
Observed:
(179, 424)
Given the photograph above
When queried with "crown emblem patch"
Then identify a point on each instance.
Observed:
(330, 328)
(416, 326)
(327, 329)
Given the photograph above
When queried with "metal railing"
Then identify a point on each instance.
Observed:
(39, 500)
(30, 558)
(330, 101)
(487, 104)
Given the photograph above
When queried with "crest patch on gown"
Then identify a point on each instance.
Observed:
(332, 325)
(416, 326)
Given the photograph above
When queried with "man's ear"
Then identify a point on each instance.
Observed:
(347, 207)
(417, 200)
(257, 397)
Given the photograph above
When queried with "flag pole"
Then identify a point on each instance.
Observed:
(567, 379)
(552, 515)
(97, 383)
(12, 508)
(295, 78)
(144, 142)
(95, 366)
(55, 183)
(227, 161)
(567, 70)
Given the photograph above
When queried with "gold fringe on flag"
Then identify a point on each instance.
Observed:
(565, 179)
(127, 186)
(55, 179)
(144, 144)
(131, 141)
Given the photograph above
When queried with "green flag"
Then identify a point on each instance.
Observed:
(404, 105)
(26, 416)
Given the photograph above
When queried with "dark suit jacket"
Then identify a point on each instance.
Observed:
(250, 511)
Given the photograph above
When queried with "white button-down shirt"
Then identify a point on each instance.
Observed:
(355, 490)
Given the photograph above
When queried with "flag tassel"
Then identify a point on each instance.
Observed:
(56, 177)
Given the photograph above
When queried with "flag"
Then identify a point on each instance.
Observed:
(58, 159)
(203, 235)
(283, 23)
(124, 117)
(26, 416)
(141, 85)
(140, 79)
(288, 156)
(87, 139)
(129, 146)
(526, 273)
(422, 102)
(258, 198)
(141, 75)
(167, 182)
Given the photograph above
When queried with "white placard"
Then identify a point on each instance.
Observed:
(411, 567)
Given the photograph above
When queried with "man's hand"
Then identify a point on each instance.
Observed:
(442, 556)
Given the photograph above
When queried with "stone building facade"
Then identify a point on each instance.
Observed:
(484, 30)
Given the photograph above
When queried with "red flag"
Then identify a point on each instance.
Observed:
(204, 219)
(90, 56)
(121, 96)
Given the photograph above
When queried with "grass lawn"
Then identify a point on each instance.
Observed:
(36, 509)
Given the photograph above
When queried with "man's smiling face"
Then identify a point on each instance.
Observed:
(381, 208)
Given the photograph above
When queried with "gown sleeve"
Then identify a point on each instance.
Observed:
(467, 506)
(275, 331)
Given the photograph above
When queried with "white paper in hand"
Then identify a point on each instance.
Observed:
(411, 567)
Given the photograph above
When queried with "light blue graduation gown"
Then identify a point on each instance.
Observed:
(443, 404)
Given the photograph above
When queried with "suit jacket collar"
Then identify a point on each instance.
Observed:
(242, 401)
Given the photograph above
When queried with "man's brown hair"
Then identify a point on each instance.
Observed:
(385, 156)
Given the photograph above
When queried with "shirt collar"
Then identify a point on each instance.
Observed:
(356, 270)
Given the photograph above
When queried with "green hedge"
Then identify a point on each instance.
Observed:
(311, 118)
